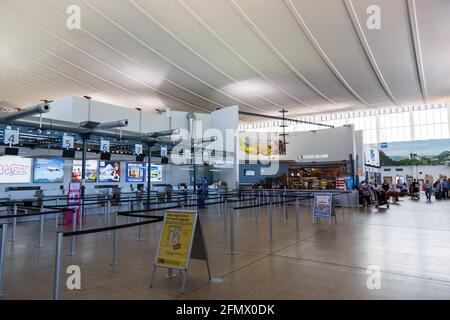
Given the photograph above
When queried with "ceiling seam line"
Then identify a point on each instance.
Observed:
(192, 50)
(369, 54)
(18, 79)
(168, 60)
(45, 79)
(56, 71)
(136, 62)
(115, 69)
(105, 64)
(275, 51)
(240, 57)
(314, 42)
(414, 28)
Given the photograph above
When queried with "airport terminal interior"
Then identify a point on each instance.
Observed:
(224, 150)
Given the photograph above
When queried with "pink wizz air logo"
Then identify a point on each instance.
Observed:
(13, 170)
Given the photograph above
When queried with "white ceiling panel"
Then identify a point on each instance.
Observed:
(308, 56)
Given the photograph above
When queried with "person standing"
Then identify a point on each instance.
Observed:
(428, 190)
(444, 189)
(448, 188)
(385, 186)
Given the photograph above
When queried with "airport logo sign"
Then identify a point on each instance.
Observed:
(15, 169)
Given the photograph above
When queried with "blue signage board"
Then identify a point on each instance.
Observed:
(323, 205)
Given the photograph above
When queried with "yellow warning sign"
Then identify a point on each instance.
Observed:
(176, 239)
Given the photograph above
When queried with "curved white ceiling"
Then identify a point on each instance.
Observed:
(308, 56)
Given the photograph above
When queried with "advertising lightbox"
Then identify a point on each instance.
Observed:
(90, 174)
(156, 173)
(135, 172)
(109, 171)
(15, 169)
(48, 170)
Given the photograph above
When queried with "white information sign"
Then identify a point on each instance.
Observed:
(11, 137)
(104, 145)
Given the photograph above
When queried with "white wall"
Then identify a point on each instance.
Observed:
(227, 119)
(414, 171)
(336, 143)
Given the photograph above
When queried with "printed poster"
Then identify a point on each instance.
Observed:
(323, 204)
(176, 239)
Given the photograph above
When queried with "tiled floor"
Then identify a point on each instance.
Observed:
(410, 243)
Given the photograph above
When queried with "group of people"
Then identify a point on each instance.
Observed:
(440, 187)
(367, 190)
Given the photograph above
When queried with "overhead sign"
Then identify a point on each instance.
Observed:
(11, 137)
(138, 149)
(105, 146)
(68, 142)
(323, 205)
(163, 151)
(15, 169)
(176, 239)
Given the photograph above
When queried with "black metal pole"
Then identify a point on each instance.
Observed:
(149, 175)
(193, 165)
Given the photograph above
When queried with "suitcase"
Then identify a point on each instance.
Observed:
(438, 195)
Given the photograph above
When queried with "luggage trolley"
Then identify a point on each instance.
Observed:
(381, 199)
(415, 193)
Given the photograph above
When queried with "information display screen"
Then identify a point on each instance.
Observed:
(91, 170)
(48, 170)
(135, 172)
(109, 171)
(15, 169)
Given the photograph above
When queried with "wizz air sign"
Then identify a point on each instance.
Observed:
(15, 169)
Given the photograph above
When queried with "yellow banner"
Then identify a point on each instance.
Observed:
(176, 239)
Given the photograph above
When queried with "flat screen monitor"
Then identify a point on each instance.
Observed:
(105, 156)
(11, 151)
(69, 153)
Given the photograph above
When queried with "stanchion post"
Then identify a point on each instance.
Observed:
(116, 243)
(108, 215)
(74, 228)
(270, 221)
(105, 208)
(2, 255)
(232, 251)
(297, 215)
(225, 221)
(57, 280)
(41, 231)
(13, 233)
(139, 238)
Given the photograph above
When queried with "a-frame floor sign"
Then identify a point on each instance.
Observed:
(323, 208)
(181, 239)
